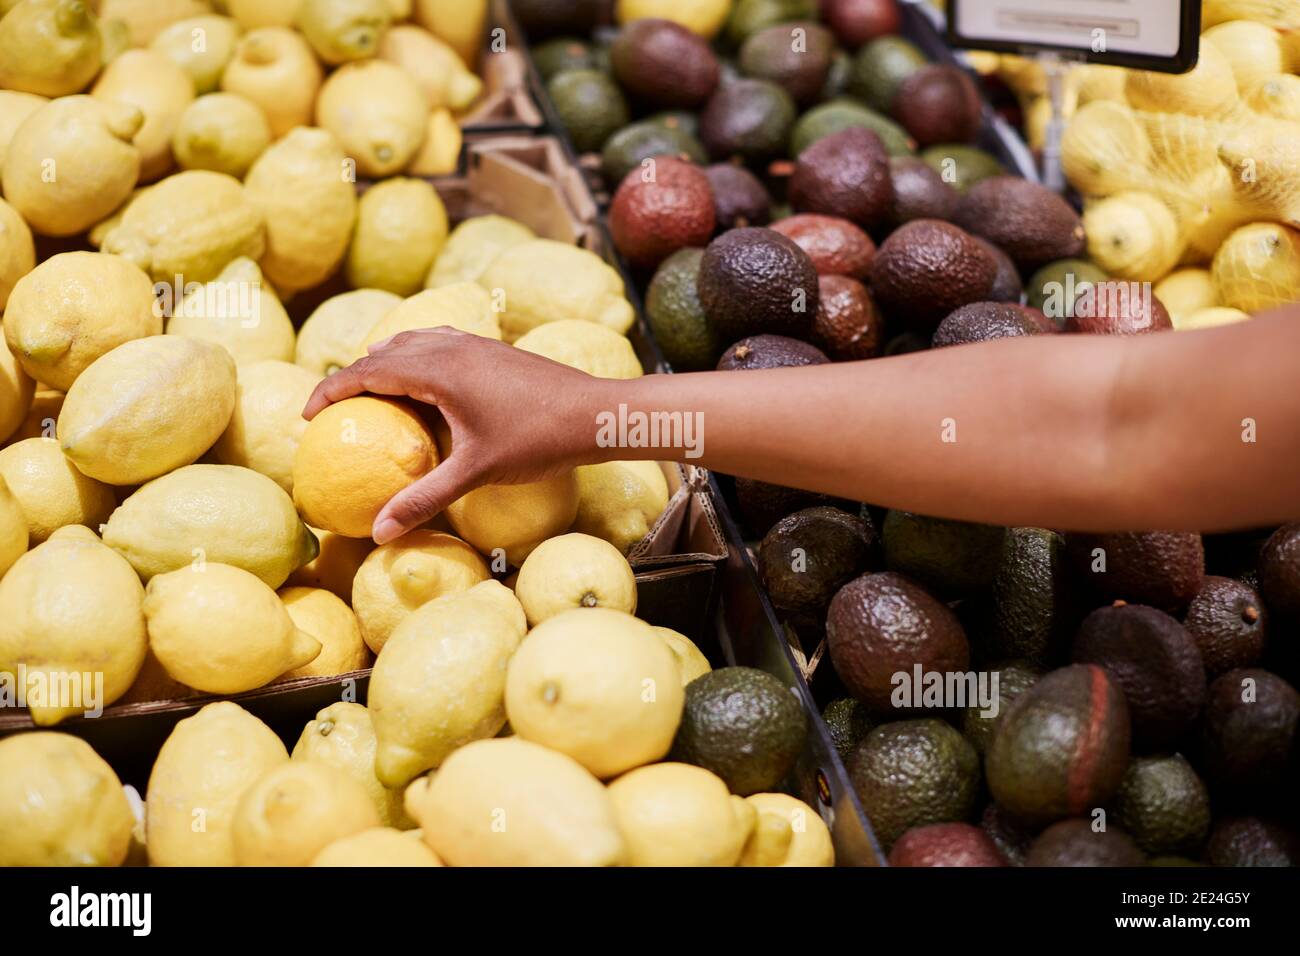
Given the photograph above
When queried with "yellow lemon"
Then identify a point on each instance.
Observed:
(223, 132)
(17, 395)
(332, 335)
(788, 833)
(381, 846)
(203, 768)
(147, 407)
(201, 46)
(1185, 291)
(60, 804)
(472, 246)
(403, 575)
(591, 348)
(437, 69)
(459, 23)
(704, 17)
(51, 492)
(463, 306)
(1258, 267)
(511, 520)
(343, 736)
(1133, 235)
(353, 457)
(219, 629)
(147, 18)
(1278, 97)
(73, 308)
(675, 814)
(573, 571)
(439, 154)
(1105, 150)
(326, 618)
(558, 814)
(1208, 90)
(72, 613)
(1208, 318)
(378, 114)
(1254, 51)
(276, 69)
(17, 250)
(13, 529)
(239, 312)
(343, 30)
(42, 414)
(620, 501)
(15, 107)
(296, 810)
(211, 513)
(49, 47)
(267, 423)
(154, 84)
(336, 564)
(263, 13)
(401, 226)
(439, 681)
(598, 685)
(691, 662)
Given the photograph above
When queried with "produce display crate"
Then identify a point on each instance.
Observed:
(511, 92)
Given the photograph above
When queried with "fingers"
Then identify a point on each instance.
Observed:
(419, 502)
(345, 383)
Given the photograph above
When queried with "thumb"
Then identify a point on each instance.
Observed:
(418, 502)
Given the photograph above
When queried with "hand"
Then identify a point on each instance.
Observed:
(514, 417)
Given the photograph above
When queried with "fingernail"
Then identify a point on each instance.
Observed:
(386, 530)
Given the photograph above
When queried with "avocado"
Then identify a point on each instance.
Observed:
(1044, 324)
(748, 119)
(564, 53)
(1036, 606)
(806, 557)
(855, 22)
(845, 174)
(983, 322)
(880, 68)
(1248, 733)
(676, 317)
(1160, 568)
(905, 343)
(1007, 286)
(796, 56)
(1229, 624)
(1279, 572)
(769, 351)
(684, 120)
(1061, 748)
(743, 725)
(882, 624)
(590, 106)
(1154, 661)
(919, 192)
(1029, 222)
(961, 165)
(848, 326)
(952, 558)
(664, 65)
(652, 217)
(945, 844)
(739, 198)
(1011, 838)
(631, 146)
(848, 722)
(548, 18)
(1055, 287)
(839, 115)
(1118, 308)
(939, 103)
(1014, 678)
(762, 504)
(835, 245)
(1252, 841)
(910, 773)
(750, 16)
(926, 269)
(837, 76)
(1164, 805)
(1076, 843)
(755, 281)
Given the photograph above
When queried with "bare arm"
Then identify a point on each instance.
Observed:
(1179, 431)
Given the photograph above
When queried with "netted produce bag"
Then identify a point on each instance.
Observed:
(1263, 160)
(1282, 14)
(1258, 267)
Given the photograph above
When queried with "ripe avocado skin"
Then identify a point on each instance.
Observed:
(1164, 805)
(627, 149)
(1032, 224)
(761, 504)
(1075, 843)
(769, 54)
(739, 197)
(928, 268)
(1247, 746)
(1162, 569)
(1013, 680)
(754, 281)
(1279, 572)
(945, 844)
(845, 174)
(983, 322)
(920, 192)
(751, 119)
(770, 351)
(807, 556)
(952, 558)
(1252, 841)
(1036, 607)
(1229, 623)
(663, 64)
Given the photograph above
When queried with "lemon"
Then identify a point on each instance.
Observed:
(267, 423)
(1220, 212)
(353, 457)
(102, 228)
(439, 154)
(239, 312)
(508, 802)
(463, 306)
(438, 71)
(1258, 268)
(1208, 90)
(300, 188)
(381, 846)
(439, 681)
(1186, 291)
(17, 251)
(1278, 13)
(114, 39)
(153, 83)
(343, 736)
(203, 768)
(223, 132)
(675, 814)
(377, 113)
(203, 513)
(50, 490)
(217, 628)
(1253, 50)
(704, 17)
(620, 501)
(43, 413)
(1133, 235)
(60, 804)
(13, 529)
(401, 226)
(85, 145)
(1098, 82)
(72, 609)
(276, 69)
(73, 308)
(201, 46)
(1264, 159)
(472, 246)
(333, 334)
(326, 618)
(147, 407)
(1209, 318)
(461, 24)
(1277, 97)
(343, 30)
(691, 662)
(263, 13)
(403, 575)
(599, 685)
(511, 520)
(542, 280)
(1105, 149)
(16, 397)
(336, 564)
(147, 18)
(591, 348)
(573, 571)
(788, 832)
(14, 108)
(49, 47)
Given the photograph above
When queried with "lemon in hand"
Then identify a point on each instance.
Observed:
(574, 571)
